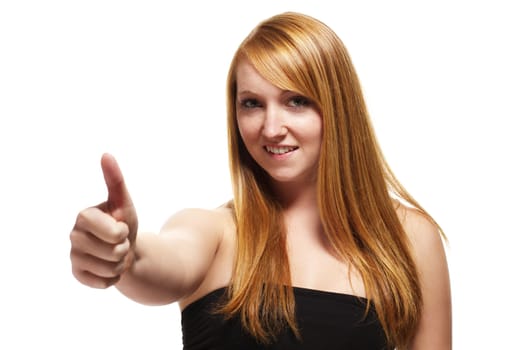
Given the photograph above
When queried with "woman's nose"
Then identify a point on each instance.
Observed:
(274, 125)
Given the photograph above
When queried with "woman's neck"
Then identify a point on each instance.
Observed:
(299, 203)
(295, 195)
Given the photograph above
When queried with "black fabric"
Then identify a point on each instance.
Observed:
(328, 321)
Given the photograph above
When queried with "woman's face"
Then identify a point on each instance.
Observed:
(281, 129)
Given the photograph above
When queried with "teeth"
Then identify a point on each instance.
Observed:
(279, 150)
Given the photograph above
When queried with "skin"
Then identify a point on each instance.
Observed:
(273, 119)
(193, 253)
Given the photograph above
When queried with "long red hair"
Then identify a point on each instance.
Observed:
(355, 188)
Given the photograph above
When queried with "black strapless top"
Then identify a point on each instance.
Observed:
(326, 320)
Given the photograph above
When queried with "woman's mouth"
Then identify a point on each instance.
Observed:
(280, 149)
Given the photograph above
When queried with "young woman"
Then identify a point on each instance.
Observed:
(321, 246)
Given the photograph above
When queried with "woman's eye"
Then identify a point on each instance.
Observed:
(299, 101)
(250, 103)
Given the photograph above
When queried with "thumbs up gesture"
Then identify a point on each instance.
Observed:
(103, 237)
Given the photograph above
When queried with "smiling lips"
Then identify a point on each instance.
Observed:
(280, 150)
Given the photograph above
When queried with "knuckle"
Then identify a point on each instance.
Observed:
(114, 270)
(108, 282)
(115, 233)
(83, 217)
(78, 245)
(75, 260)
(121, 250)
(119, 232)
(74, 237)
(93, 281)
(84, 277)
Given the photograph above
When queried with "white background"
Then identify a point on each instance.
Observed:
(145, 80)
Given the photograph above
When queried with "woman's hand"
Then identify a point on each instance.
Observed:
(103, 238)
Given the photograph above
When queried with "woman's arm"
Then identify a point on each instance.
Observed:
(435, 328)
(148, 268)
(172, 264)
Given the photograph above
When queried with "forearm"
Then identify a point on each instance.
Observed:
(155, 276)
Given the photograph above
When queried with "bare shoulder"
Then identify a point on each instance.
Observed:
(428, 249)
(427, 243)
(200, 220)
(422, 232)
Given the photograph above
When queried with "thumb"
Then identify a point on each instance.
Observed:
(118, 195)
(119, 204)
